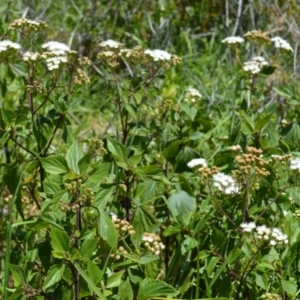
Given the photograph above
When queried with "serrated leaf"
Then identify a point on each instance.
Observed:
(182, 203)
(55, 164)
(154, 288)
(73, 156)
(18, 274)
(88, 247)
(54, 275)
(125, 290)
(289, 286)
(114, 280)
(119, 151)
(95, 274)
(59, 240)
(107, 230)
(88, 280)
(100, 172)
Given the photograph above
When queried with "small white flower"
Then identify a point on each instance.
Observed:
(56, 46)
(6, 44)
(110, 44)
(251, 67)
(225, 184)
(233, 40)
(197, 162)
(113, 216)
(282, 44)
(158, 55)
(193, 94)
(295, 164)
(30, 56)
(248, 227)
(273, 243)
(260, 61)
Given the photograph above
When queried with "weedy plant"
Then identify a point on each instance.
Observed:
(176, 197)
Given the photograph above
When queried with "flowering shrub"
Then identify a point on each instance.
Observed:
(178, 197)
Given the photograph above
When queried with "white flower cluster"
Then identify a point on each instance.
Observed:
(255, 65)
(232, 40)
(275, 236)
(110, 44)
(197, 162)
(7, 45)
(31, 56)
(193, 94)
(158, 55)
(282, 44)
(225, 184)
(248, 227)
(152, 242)
(58, 53)
(295, 164)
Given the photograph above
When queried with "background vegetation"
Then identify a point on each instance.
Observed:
(97, 198)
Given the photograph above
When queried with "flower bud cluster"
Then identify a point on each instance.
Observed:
(26, 26)
(297, 213)
(98, 146)
(271, 296)
(152, 243)
(121, 251)
(81, 78)
(252, 161)
(123, 226)
(275, 236)
(84, 61)
(35, 87)
(71, 206)
(235, 148)
(257, 36)
(74, 185)
(206, 172)
(8, 198)
(281, 158)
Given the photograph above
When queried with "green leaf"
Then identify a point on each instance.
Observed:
(285, 91)
(59, 240)
(73, 156)
(182, 203)
(55, 164)
(119, 151)
(152, 288)
(95, 274)
(18, 274)
(261, 280)
(114, 280)
(100, 172)
(107, 230)
(172, 149)
(289, 286)
(125, 290)
(7, 115)
(91, 284)
(54, 275)
(88, 247)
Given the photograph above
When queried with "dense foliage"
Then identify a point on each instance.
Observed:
(128, 172)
